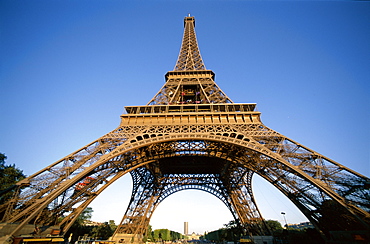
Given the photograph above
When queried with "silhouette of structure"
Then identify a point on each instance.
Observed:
(190, 136)
(186, 228)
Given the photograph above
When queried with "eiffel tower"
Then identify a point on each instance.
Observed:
(190, 135)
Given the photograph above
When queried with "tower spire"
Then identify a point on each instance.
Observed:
(190, 82)
(189, 57)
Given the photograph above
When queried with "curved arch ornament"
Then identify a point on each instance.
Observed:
(190, 136)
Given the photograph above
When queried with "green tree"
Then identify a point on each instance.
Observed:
(85, 215)
(149, 234)
(166, 235)
(274, 225)
(231, 225)
(176, 236)
(79, 228)
(9, 175)
(102, 232)
(162, 234)
(112, 225)
(233, 231)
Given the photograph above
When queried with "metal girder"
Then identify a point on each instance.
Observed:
(190, 82)
(155, 187)
(141, 206)
(189, 57)
(192, 136)
(296, 180)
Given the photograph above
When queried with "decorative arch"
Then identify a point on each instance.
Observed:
(234, 150)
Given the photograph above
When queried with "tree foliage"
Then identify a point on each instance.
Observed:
(85, 215)
(102, 232)
(293, 236)
(79, 228)
(9, 176)
(274, 225)
(149, 234)
(166, 235)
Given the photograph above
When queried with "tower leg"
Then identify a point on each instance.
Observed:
(127, 238)
(135, 222)
(242, 199)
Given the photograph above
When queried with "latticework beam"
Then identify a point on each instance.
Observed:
(191, 136)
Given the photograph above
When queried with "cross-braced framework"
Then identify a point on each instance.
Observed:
(169, 145)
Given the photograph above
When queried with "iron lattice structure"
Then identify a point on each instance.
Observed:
(191, 136)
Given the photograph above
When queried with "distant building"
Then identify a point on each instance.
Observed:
(193, 236)
(300, 226)
(186, 228)
(91, 223)
(188, 236)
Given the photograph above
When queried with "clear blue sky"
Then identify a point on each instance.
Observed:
(69, 67)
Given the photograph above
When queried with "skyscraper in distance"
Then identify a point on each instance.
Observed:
(186, 228)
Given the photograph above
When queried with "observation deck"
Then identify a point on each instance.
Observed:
(234, 113)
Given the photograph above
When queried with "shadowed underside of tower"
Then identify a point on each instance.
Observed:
(190, 136)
